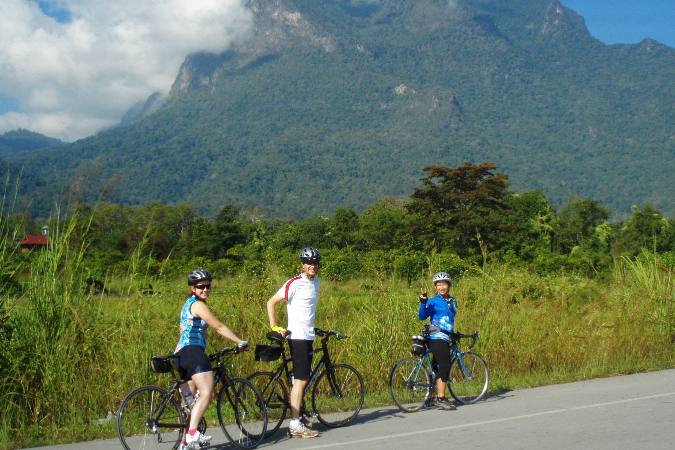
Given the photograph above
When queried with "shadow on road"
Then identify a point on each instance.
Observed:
(373, 415)
(501, 394)
(376, 415)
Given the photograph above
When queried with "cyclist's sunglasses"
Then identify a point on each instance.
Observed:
(203, 286)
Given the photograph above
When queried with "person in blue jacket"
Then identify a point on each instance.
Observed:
(441, 310)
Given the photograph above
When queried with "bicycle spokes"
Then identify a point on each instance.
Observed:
(469, 378)
(337, 396)
(242, 413)
(149, 418)
(410, 384)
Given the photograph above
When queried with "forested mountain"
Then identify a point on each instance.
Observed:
(24, 140)
(340, 102)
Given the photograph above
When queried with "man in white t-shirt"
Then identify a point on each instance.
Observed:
(301, 294)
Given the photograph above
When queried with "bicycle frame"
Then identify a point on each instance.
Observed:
(221, 377)
(455, 354)
(414, 379)
(324, 363)
(154, 422)
(285, 368)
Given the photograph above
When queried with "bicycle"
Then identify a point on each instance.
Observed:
(412, 380)
(337, 390)
(154, 417)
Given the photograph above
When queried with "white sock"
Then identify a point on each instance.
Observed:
(295, 422)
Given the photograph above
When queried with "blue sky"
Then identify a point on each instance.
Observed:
(627, 21)
(8, 104)
(53, 9)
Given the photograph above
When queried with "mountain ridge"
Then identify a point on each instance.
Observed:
(22, 140)
(344, 94)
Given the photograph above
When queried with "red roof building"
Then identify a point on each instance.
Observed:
(34, 241)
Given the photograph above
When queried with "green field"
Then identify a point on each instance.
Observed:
(69, 355)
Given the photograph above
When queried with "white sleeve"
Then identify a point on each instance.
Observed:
(282, 291)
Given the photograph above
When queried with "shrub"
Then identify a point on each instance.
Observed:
(340, 264)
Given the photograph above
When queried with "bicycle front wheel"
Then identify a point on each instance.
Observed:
(338, 395)
(275, 395)
(150, 418)
(469, 378)
(410, 384)
(242, 413)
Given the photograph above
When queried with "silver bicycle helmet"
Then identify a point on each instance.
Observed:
(310, 255)
(442, 276)
(199, 275)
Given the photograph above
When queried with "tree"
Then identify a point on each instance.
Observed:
(456, 205)
(228, 228)
(385, 225)
(530, 223)
(343, 227)
(577, 223)
(648, 229)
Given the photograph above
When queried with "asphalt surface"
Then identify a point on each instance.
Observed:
(626, 412)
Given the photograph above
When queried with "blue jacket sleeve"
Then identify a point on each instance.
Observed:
(424, 311)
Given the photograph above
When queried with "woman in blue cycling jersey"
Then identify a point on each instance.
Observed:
(193, 364)
(441, 310)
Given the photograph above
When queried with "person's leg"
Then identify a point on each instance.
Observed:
(194, 366)
(204, 382)
(297, 393)
(441, 352)
(301, 353)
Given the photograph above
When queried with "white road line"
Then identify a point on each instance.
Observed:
(487, 422)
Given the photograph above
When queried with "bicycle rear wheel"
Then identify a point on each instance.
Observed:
(242, 413)
(410, 384)
(337, 396)
(275, 395)
(469, 378)
(150, 418)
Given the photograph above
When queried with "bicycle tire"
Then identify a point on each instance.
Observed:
(242, 413)
(275, 394)
(337, 409)
(410, 384)
(470, 384)
(150, 418)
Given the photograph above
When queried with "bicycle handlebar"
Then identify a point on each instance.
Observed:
(456, 336)
(227, 351)
(328, 333)
(277, 337)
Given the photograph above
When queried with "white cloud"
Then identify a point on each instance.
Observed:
(74, 78)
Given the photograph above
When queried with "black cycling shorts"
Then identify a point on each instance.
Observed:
(192, 360)
(301, 353)
(441, 352)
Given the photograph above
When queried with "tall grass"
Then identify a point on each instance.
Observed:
(76, 354)
(8, 286)
(52, 350)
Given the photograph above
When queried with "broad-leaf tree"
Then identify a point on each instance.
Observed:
(461, 208)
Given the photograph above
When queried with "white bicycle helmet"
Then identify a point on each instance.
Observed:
(442, 276)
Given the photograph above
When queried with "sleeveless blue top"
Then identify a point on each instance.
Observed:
(192, 328)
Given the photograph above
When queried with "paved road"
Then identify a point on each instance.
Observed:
(627, 412)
